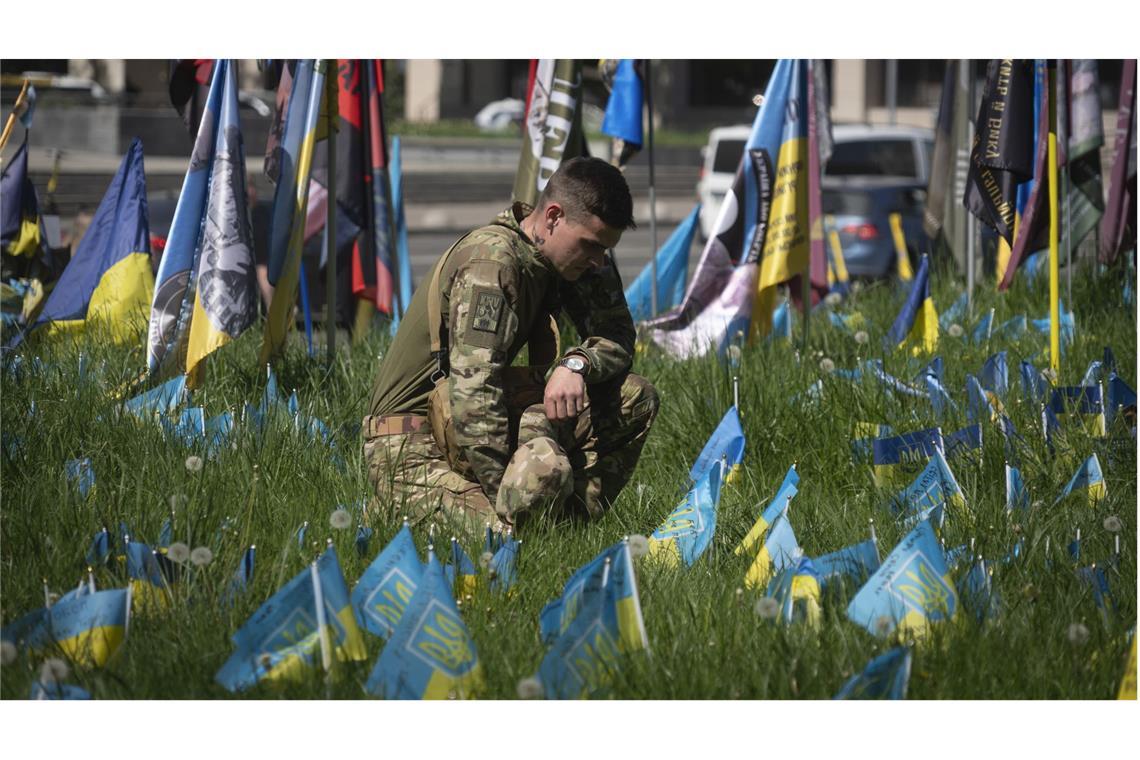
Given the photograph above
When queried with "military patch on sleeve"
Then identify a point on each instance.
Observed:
(487, 311)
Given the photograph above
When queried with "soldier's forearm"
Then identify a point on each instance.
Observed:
(606, 358)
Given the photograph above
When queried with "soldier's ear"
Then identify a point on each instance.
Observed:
(553, 213)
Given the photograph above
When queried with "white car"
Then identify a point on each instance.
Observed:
(721, 157)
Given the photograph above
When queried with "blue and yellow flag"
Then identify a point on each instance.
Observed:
(460, 571)
(727, 443)
(858, 561)
(977, 592)
(932, 491)
(903, 455)
(1033, 383)
(430, 654)
(956, 312)
(995, 375)
(917, 323)
(981, 404)
(149, 585)
(672, 267)
(21, 228)
(778, 506)
(863, 439)
(504, 565)
(81, 474)
(53, 690)
(1016, 497)
(965, 441)
(1087, 480)
(984, 328)
(206, 290)
(89, 628)
(885, 677)
(910, 591)
(1119, 397)
(1084, 403)
(779, 550)
(305, 124)
(108, 281)
(585, 655)
(388, 585)
(624, 111)
(585, 583)
(689, 528)
(796, 589)
(283, 638)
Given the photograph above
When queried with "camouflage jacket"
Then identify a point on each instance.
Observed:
(495, 288)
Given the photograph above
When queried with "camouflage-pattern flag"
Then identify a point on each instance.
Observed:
(1002, 154)
(553, 126)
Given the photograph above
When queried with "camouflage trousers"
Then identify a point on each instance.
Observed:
(574, 468)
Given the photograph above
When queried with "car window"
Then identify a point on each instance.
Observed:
(872, 157)
(728, 153)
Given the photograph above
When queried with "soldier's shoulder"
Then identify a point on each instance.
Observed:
(494, 244)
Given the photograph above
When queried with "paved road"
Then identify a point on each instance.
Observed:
(632, 254)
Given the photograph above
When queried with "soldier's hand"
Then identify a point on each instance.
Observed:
(565, 395)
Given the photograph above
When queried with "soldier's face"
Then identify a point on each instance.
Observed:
(575, 248)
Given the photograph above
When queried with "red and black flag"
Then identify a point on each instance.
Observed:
(1120, 213)
(189, 85)
(1002, 154)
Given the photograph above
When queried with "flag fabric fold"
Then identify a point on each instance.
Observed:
(917, 322)
(387, 585)
(552, 130)
(884, 677)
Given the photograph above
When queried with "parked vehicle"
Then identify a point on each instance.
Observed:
(873, 171)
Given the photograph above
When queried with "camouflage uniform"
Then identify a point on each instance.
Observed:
(495, 290)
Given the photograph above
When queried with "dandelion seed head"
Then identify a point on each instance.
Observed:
(1112, 524)
(53, 670)
(955, 330)
(832, 299)
(529, 688)
(638, 546)
(202, 556)
(862, 337)
(193, 463)
(340, 519)
(1078, 634)
(485, 559)
(767, 608)
(733, 353)
(826, 365)
(178, 552)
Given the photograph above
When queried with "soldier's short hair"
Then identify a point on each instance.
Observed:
(587, 187)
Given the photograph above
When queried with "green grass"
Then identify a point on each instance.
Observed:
(706, 640)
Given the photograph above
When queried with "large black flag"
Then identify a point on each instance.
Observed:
(189, 85)
(1002, 154)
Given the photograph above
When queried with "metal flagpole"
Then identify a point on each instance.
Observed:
(971, 222)
(892, 91)
(652, 192)
(330, 214)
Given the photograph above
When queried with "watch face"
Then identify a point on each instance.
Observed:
(574, 364)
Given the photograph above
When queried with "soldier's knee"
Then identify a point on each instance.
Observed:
(640, 398)
(538, 476)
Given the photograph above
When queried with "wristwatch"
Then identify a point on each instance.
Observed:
(574, 364)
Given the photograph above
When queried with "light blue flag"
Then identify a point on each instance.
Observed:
(858, 561)
(796, 589)
(403, 254)
(88, 628)
(242, 576)
(939, 397)
(430, 654)
(955, 313)
(874, 368)
(780, 550)
(1016, 497)
(778, 506)
(933, 368)
(978, 406)
(689, 528)
(504, 565)
(388, 585)
(217, 432)
(586, 583)
(53, 690)
(995, 374)
(1089, 480)
(81, 474)
(189, 429)
(362, 540)
(781, 322)
(1119, 397)
(984, 328)
(727, 441)
(100, 548)
(672, 267)
(1068, 327)
(965, 441)
(903, 455)
(932, 491)
(282, 639)
(1033, 383)
(885, 677)
(1012, 329)
(161, 400)
(910, 591)
(977, 592)
(1093, 374)
(1097, 580)
(460, 571)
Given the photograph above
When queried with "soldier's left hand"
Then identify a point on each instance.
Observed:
(565, 395)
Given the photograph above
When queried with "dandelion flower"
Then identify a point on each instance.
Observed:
(734, 354)
(767, 608)
(1078, 634)
(826, 365)
(202, 556)
(340, 519)
(1112, 524)
(955, 330)
(53, 670)
(856, 286)
(884, 625)
(7, 652)
(638, 546)
(530, 688)
(178, 552)
(193, 463)
(862, 337)
(832, 299)
(485, 559)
